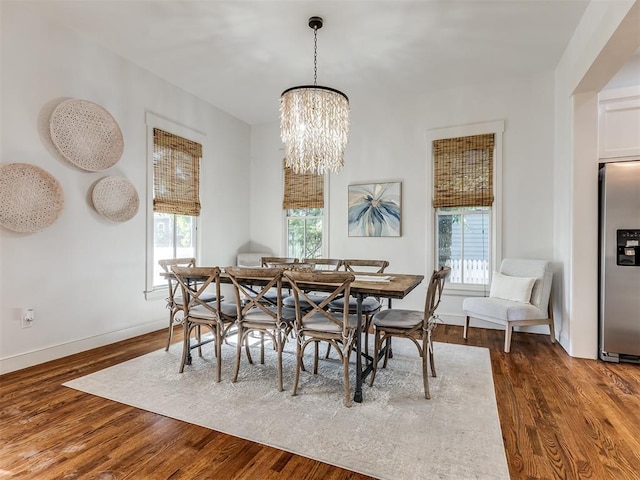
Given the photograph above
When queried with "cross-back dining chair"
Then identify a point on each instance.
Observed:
(370, 305)
(365, 266)
(319, 264)
(257, 316)
(414, 325)
(276, 261)
(174, 299)
(328, 264)
(216, 316)
(280, 262)
(317, 324)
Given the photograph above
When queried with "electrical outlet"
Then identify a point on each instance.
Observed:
(27, 317)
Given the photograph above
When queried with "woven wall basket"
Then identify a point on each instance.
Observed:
(115, 198)
(30, 198)
(86, 134)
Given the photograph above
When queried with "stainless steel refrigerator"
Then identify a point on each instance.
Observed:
(619, 269)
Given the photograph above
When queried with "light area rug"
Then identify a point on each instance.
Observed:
(395, 433)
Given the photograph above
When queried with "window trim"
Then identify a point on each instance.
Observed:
(155, 121)
(496, 128)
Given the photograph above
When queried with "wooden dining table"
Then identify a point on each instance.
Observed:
(382, 285)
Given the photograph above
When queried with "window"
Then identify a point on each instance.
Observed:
(466, 165)
(463, 243)
(304, 232)
(174, 237)
(303, 204)
(175, 155)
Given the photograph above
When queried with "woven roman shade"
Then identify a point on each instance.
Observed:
(463, 171)
(176, 174)
(302, 190)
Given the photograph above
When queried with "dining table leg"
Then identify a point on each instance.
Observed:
(357, 397)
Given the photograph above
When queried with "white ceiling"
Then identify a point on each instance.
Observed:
(239, 55)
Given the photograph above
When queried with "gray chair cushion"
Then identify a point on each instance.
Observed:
(396, 318)
(288, 314)
(369, 305)
(229, 309)
(501, 309)
(321, 323)
(290, 301)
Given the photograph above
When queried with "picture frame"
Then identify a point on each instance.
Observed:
(375, 209)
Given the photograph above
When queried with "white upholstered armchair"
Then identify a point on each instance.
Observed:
(520, 295)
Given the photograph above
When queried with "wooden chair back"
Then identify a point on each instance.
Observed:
(364, 266)
(193, 282)
(251, 296)
(334, 284)
(275, 261)
(328, 264)
(434, 295)
(166, 265)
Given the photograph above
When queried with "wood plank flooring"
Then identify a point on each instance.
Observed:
(561, 418)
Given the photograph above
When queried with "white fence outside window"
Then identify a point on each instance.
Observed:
(471, 271)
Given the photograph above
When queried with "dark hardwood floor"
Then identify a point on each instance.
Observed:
(561, 418)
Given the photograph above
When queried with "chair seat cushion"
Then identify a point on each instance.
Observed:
(320, 323)
(398, 318)
(270, 296)
(369, 305)
(228, 309)
(257, 315)
(288, 314)
(500, 309)
(290, 301)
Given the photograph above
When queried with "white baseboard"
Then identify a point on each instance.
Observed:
(565, 342)
(24, 360)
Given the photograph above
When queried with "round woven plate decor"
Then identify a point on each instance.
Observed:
(115, 198)
(30, 198)
(86, 134)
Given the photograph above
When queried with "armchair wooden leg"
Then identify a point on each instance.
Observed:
(552, 331)
(507, 337)
(466, 327)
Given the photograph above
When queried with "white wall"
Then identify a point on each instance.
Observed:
(606, 39)
(83, 275)
(388, 142)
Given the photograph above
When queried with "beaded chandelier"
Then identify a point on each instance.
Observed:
(314, 122)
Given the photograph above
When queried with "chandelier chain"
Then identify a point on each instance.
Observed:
(315, 56)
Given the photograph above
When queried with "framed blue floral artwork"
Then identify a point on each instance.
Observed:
(375, 209)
